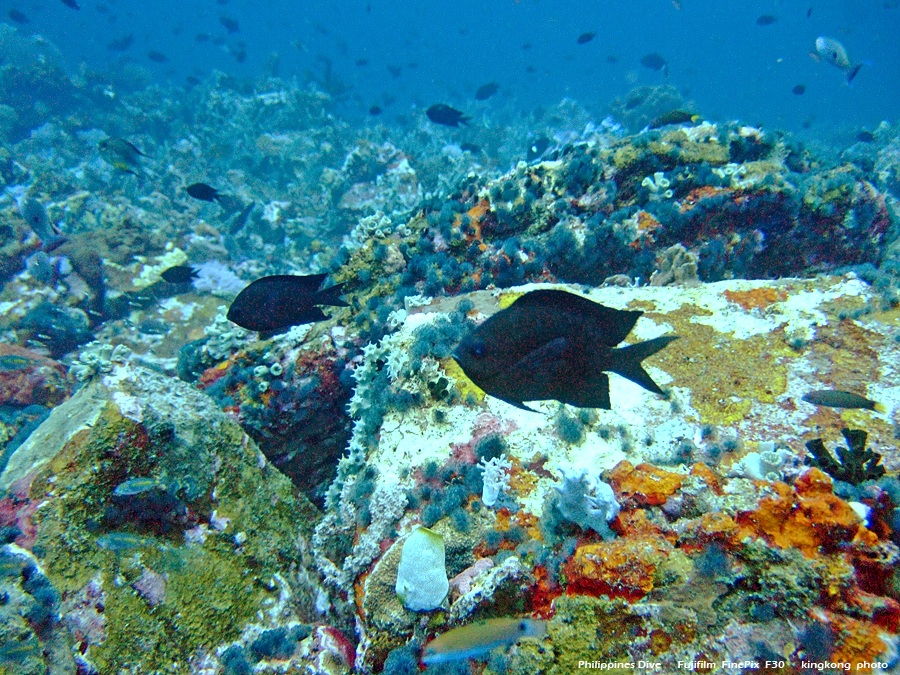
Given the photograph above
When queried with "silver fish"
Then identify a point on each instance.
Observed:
(834, 53)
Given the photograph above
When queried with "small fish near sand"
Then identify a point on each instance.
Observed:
(654, 61)
(485, 91)
(834, 53)
(477, 640)
(17, 16)
(555, 345)
(834, 398)
(441, 113)
(584, 38)
(278, 302)
(71, 3)
(121, 154)
(673, 117)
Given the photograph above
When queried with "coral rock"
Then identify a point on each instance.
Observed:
(643, 485)
(624, 567)
(806, 517)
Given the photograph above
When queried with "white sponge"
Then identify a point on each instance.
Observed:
(422, 582)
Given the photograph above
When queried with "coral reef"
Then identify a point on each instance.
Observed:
(179, 494)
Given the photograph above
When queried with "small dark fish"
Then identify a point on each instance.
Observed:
(470, 147)
(202, 191)
(120, 45)
(799, 90)
(34, 213)
(395, 71)
(192, 80)
(375, 110)
(230, 24)
(584, 38)
(71, 3)
(179, 275)
(201, 37)
(865, 137)
(362, 62)
(441, 113)
(526, 45)
(485, 91)
(281, 301)
(809, 12)
(555, 345)
(17, 16)
(612, 58)
(673, 117)
(241, 219)
(239, 54)
(834, 398)
(530, 69)
(157, 57)
(538, 148)
(766, 20)
(654, 61)
(121, 154)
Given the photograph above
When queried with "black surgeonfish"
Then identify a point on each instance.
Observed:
(278, 302)
(555, 345)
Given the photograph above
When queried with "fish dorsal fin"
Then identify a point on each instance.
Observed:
(614, 324)
(309, 283)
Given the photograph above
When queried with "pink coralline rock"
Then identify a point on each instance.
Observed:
(462, 582)
(329, 651)
(27, 378)
(151, 586)
(82, 613)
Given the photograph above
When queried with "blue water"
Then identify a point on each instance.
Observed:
(718, 56)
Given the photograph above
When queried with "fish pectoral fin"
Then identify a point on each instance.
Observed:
(545, 361)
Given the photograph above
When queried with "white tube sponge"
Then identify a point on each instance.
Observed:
(422, 582)
(494, 478)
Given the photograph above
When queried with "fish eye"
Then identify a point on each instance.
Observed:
(478, 348)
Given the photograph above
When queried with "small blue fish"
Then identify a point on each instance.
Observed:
(480, 638)
(136, 486)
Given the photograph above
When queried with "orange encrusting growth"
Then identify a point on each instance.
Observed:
(804, 517)
(624, 567)
(756, 298)
(643, 485)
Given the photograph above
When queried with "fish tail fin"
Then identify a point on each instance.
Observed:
(628, 363)
(879, 407)
(331, 296)
(853, 71)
